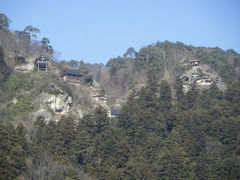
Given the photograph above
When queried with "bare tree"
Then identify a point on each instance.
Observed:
(44, 168)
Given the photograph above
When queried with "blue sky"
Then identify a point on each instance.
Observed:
(97, 30)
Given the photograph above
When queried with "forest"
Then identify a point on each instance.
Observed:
(160, 131)
(196, 138)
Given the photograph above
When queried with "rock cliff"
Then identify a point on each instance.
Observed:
(202, 76)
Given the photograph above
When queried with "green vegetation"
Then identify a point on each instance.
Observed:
(19, 81)
(151, 57)
(166, 60)
(157, 135)
(28, 32)
(45, 43)
(19, 60)
(132, 84)
(4, 21)
(24, 103)
(197, 138)
(86, 75)
(219, 61)
(158, 57)
(14, 150)
(4, 69)
(130, 53)
(20, 159)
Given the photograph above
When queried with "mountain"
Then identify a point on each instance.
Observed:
(167, 61)
(169, 111)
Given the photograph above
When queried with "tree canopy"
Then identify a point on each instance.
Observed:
(4, 21)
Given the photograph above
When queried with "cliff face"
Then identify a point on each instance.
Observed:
(59, 104)
(194, 128)
(167, 61)
(51, 106)
(202, 76)
(113, 83)
(27, 67)
(56, 102)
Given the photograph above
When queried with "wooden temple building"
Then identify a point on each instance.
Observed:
(72, 76)
(41, 63)
(194, 62)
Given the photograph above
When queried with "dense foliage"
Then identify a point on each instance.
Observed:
(162, 56)
(4, 73)
(14, 150)
(86, 75)
(196, 138)
(158, 134)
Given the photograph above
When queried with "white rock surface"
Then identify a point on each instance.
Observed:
(59, 104)
(99, 99)
(25, 68)
(202, 76)
(15, 101)
(42, 112)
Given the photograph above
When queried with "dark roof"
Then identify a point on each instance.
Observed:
(71, 72)
(114, 112)
(41, 58)
(193, 60)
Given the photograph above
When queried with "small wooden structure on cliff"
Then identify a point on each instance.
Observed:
(194, 62)
(41, 63)
(72, 76)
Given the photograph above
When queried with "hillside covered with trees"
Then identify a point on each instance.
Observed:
(160, 132)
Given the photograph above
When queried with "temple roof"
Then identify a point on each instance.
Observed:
(72, 73)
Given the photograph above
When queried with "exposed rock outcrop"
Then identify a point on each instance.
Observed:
(59, 104)
(202, 76)
(44, 113)
(25, 68)
(53, 104)
(99, 98)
